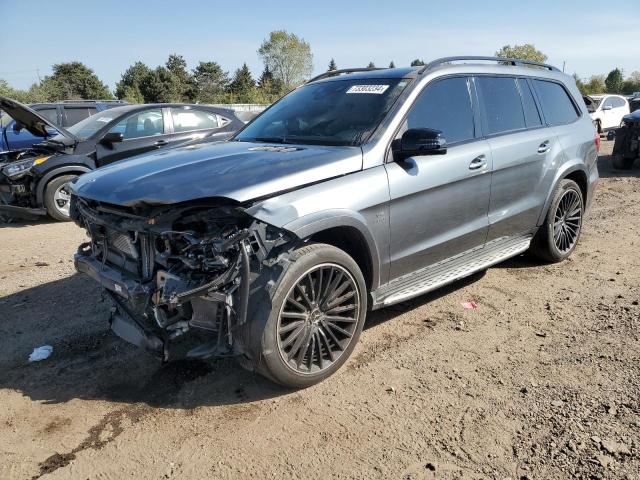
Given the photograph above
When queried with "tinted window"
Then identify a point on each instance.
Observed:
(608, 102)
(334, 112)
(501, 104)
(74, 115)
(141, 124)
(556, 105)
(531, 114)
(446, 106)
(50, 114)
(185, 120)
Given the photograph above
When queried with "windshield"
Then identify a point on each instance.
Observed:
(343, 112)
(87, 127)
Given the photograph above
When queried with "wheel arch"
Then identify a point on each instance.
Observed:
(575, 171)
(66, 170)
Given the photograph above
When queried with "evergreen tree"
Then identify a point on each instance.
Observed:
(210, 82)
(371, 65)
(417, 63)
(177, 66)
(130, 81)
(392, 65)
(614, 81)
(270, 87)
(243, 86)
(332, 66)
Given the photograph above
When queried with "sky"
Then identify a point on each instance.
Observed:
(109, 36)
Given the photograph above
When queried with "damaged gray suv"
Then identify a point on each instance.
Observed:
(358, 190)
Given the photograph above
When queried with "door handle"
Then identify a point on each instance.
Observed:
(161, 143)
(477, 163)
(544, 147)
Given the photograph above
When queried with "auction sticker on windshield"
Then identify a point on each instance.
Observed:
(375, 89)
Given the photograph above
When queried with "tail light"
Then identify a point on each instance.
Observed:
(596, 138)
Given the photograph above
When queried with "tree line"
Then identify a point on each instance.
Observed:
(287, 59)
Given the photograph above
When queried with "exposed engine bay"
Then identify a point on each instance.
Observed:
(175, 269)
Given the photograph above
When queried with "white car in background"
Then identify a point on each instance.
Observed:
(607, 110)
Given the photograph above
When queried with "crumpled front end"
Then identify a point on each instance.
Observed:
(175, 270)
(17, 184)
(627, 138)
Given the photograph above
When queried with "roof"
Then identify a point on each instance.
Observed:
(375, 73)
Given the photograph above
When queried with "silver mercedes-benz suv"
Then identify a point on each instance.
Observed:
(358, 190)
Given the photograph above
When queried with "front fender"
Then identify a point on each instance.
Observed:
(308, 225)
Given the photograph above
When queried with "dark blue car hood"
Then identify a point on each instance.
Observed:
(239, 171)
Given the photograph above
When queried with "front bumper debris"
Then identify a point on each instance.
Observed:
(176, 272)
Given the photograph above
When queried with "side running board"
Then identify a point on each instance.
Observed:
(449, 270)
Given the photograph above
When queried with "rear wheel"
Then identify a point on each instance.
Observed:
(314, 319)
(57, 198)
(621, 163)
(558, 236)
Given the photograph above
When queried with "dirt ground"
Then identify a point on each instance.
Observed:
(542, 380)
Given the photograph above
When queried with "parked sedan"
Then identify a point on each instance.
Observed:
(33, 181)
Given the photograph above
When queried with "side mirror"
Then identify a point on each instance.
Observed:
(417, 142)
(607, 107)
(17, 126)
(111, 138)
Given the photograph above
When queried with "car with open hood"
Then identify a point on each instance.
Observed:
(358, 190)
(33, 181)
(13, 136)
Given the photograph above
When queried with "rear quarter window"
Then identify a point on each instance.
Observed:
(556, 104)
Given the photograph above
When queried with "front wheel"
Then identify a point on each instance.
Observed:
(559, 234)
(314, 318)
(57, 198)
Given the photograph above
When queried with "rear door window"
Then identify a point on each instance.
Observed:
(445, 105)
(50, 114)
(556, 104)
(531, 113)
(501, 104)
(186, 120)
(74, 114)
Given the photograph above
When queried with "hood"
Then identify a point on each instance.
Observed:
(33, 122)
(239, 171)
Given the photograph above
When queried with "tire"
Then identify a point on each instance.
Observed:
(53, 198)
(621, 163)
(330, 341)
(559, 234)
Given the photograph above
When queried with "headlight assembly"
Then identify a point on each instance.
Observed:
(17, 169)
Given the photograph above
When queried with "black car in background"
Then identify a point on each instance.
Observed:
(626, 149)
(33, 181)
